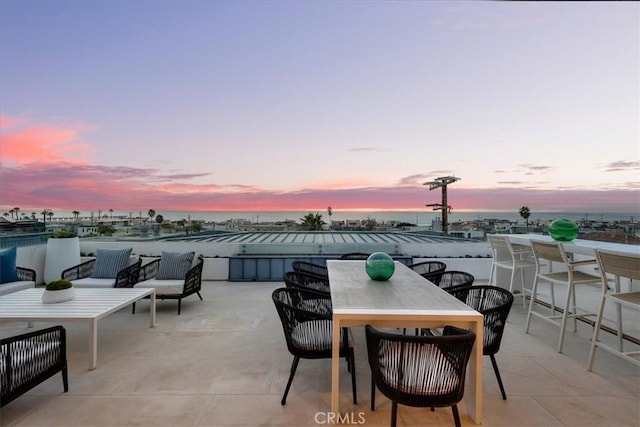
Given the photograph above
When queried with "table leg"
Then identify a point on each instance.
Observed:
(335, 367)
(152, 309)
(474, 402)
(93, 343)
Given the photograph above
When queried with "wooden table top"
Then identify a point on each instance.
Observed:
(405, 292)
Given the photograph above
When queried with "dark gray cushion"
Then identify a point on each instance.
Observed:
(109, 262)
(174, 265)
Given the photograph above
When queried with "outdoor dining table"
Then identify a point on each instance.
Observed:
(406, 300)
(88, 306)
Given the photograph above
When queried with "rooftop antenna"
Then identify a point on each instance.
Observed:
(442, 182)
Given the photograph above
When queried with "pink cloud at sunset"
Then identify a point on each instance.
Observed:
(86, 187)
(42, 168)
(40, 144)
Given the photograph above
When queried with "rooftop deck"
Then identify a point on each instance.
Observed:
(224, 362)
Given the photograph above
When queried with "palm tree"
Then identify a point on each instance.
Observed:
(44, 214)
(111, 212)
(525, 213)
(312, 222)
(151, 214)
(76, 215)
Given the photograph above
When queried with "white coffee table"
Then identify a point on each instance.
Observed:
(88, 306)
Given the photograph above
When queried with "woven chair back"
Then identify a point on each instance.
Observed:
(422, 371)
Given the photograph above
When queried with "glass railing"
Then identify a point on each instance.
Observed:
(18, 240)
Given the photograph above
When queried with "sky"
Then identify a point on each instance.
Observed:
(300, 105)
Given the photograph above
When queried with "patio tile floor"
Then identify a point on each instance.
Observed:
(224, 362)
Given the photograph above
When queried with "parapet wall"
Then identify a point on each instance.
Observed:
(467, 255)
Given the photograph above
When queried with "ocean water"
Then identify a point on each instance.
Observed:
(413, 217)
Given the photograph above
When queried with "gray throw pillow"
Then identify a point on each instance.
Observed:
(109, 262)
(174, 265)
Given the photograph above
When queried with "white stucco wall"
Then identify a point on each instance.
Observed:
(216, 265)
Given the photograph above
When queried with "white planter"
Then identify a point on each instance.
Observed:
(61, 295)
(61, 254)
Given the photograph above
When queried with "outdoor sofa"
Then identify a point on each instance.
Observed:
(26, 280)
(13, 278)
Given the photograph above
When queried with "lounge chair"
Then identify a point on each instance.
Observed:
(172, 276)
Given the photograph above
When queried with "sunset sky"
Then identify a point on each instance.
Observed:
(300, 105)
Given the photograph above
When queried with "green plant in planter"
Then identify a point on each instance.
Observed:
(63, 234)
(58, 285)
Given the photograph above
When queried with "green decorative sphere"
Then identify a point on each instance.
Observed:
(563, 230)
(380, 266)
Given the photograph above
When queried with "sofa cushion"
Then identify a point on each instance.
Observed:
(8, 288)
(163, 287)
(174, 265)
(8, 272)
(109, 262)
(92, 282)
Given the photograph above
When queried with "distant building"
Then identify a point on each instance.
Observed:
(86, 230)
(467, 234)
(20, 226)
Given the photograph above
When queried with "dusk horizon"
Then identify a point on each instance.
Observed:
(505, 201)
(297, 106)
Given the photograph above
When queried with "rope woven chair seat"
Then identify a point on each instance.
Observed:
(423, 370)
(312, 335)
